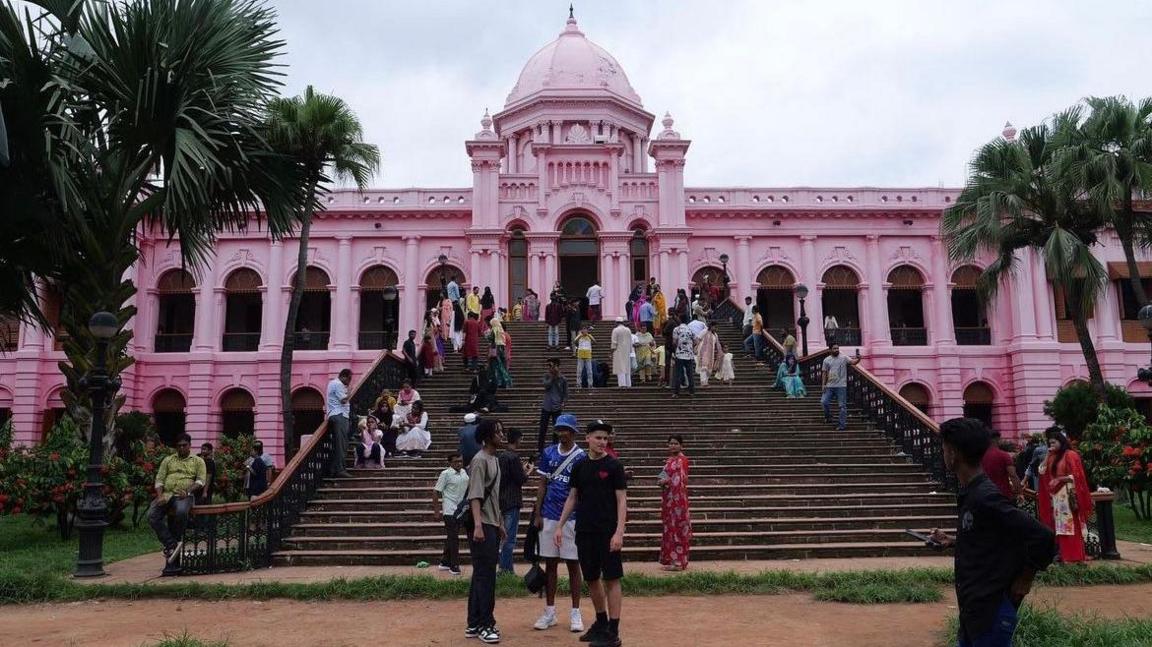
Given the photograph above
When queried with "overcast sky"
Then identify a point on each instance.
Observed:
(771, 92)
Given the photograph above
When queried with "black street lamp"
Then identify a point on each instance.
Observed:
(724, 278)
(802, 293)
(92, 510)
(1145, 317)
(443, 261)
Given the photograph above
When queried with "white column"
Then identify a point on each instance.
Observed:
(534, 275)
(743, 283)
(1024, 302)
(683, 276)
(608, 282)
(342, 308)
(474, 269)
(494, 271)
(814, 304)
(1107, 312)
(549, 273)
(1045, 313)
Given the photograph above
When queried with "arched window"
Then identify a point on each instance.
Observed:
(307, 415)
(243, 309)
(314, 320)
(906, 307)
(979, 399)
(841, 304)
(968, 317)
(437, 282)
(918, 395)
(9, 334)
(517, 265)
(53, 414)
(176, 304)
(379, 308)
(774, 298)
(237, 413)
(709, 281)
(168, 413)
(638, 251)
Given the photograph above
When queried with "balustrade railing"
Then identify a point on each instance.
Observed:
(173, 342)
(377, 339)
(312, 340)
(973, 336)
(241, 342)
(843, 336)
(244, 535)
(909, 336)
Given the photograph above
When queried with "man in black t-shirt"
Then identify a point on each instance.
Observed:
(598, 496)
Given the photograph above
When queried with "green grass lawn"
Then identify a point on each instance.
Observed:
(1128, 527)
(1046, 627)
(32, 549)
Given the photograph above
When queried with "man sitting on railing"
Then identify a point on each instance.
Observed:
(178, 478)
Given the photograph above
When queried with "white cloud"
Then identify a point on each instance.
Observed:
(771, 93)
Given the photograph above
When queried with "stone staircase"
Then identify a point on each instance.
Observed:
(769, 479)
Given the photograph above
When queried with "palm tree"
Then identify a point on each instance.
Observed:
(324, 136)
(126, 119)
(1108, 157)
(1015, 198)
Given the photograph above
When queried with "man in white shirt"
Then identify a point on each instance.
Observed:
(595, 296)
(337, 410)
(447, 494)
(830, 327)
(748, 317)
(685, 358)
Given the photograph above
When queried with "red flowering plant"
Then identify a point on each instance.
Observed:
(1117, 450)
(231, 455)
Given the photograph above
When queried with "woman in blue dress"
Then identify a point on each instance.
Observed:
(793, 385)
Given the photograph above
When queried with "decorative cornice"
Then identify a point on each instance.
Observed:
(779, 214)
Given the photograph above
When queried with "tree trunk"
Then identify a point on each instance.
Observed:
(1124, 233)
(289, 342)
(1080, 323)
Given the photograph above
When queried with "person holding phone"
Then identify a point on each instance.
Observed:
(999, 548)
(178, 478)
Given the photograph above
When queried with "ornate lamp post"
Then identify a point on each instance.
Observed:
(389, 295)
(92, 511)
(1145, 317)
(802, 293)
(443, 261)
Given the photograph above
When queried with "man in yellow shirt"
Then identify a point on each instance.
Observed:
(179, 477)
(472, 302)
(754, 343)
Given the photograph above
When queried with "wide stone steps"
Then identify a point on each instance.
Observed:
(769, 479)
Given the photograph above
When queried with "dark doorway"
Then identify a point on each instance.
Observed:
(774, 298)
(579, 252)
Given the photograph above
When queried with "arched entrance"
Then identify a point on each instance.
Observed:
(237, 413)
(709, 281)
(841, 302)
(906, 307)
(978, 402)
(379, 308)
(243, 307)
(918, 395)
(307, 416)
(314, 319)
(168, 414)
(774, 298)
(517, 265)
(177, 312)
(579, 252)
(437, 281)
(638, 251)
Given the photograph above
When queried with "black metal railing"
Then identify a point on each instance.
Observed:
(843, 336)
(312, 340)
(909, 336)
(376, 339)
(974, 336)
(173, 342)
(241, 342)
(245, 535)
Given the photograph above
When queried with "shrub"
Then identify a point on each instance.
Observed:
(230, 468)
(1074, 407)
(1117, 450)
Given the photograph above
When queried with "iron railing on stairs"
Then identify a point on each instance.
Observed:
(245, 535)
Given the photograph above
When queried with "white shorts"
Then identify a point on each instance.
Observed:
(567, 550)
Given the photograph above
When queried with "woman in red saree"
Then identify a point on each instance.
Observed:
(677, 537)
(1063, 500)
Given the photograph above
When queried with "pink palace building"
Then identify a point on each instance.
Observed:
(574, 182)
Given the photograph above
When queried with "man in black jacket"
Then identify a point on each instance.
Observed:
(513, 474)
(411, 362)
(999, 548)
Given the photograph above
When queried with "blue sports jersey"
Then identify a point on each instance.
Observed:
(557, 492)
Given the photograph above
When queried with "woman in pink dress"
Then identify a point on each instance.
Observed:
(677, 537)
(1063, 500)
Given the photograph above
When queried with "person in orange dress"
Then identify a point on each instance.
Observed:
(677, 521)
(1063, 500)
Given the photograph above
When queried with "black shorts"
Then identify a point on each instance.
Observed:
(596, 560)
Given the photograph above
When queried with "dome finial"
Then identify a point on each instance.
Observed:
(1009, 131)
(486, 127)
(570, 26)
(571, 12)
(668, 133)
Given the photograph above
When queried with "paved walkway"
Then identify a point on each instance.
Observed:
(145, 569)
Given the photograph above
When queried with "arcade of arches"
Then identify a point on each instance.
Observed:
(840, 302)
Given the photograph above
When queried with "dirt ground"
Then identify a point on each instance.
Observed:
(760, 621)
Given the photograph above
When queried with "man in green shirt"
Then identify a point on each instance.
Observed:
(179, 477)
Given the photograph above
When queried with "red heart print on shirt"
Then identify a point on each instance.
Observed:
(603, 474)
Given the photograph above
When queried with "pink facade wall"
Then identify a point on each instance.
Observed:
(554, 153)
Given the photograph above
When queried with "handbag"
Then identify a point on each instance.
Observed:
(464, 508)
(535, 579)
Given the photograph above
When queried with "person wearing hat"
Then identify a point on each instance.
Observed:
(622, 354)
(555, 468)
(598, 498)
(467, 436)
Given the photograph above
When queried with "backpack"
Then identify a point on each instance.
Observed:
(600, 374)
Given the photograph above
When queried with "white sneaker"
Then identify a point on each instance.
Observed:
(576, 622)
(548, 619)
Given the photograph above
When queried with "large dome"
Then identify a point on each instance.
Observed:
(572, 65)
